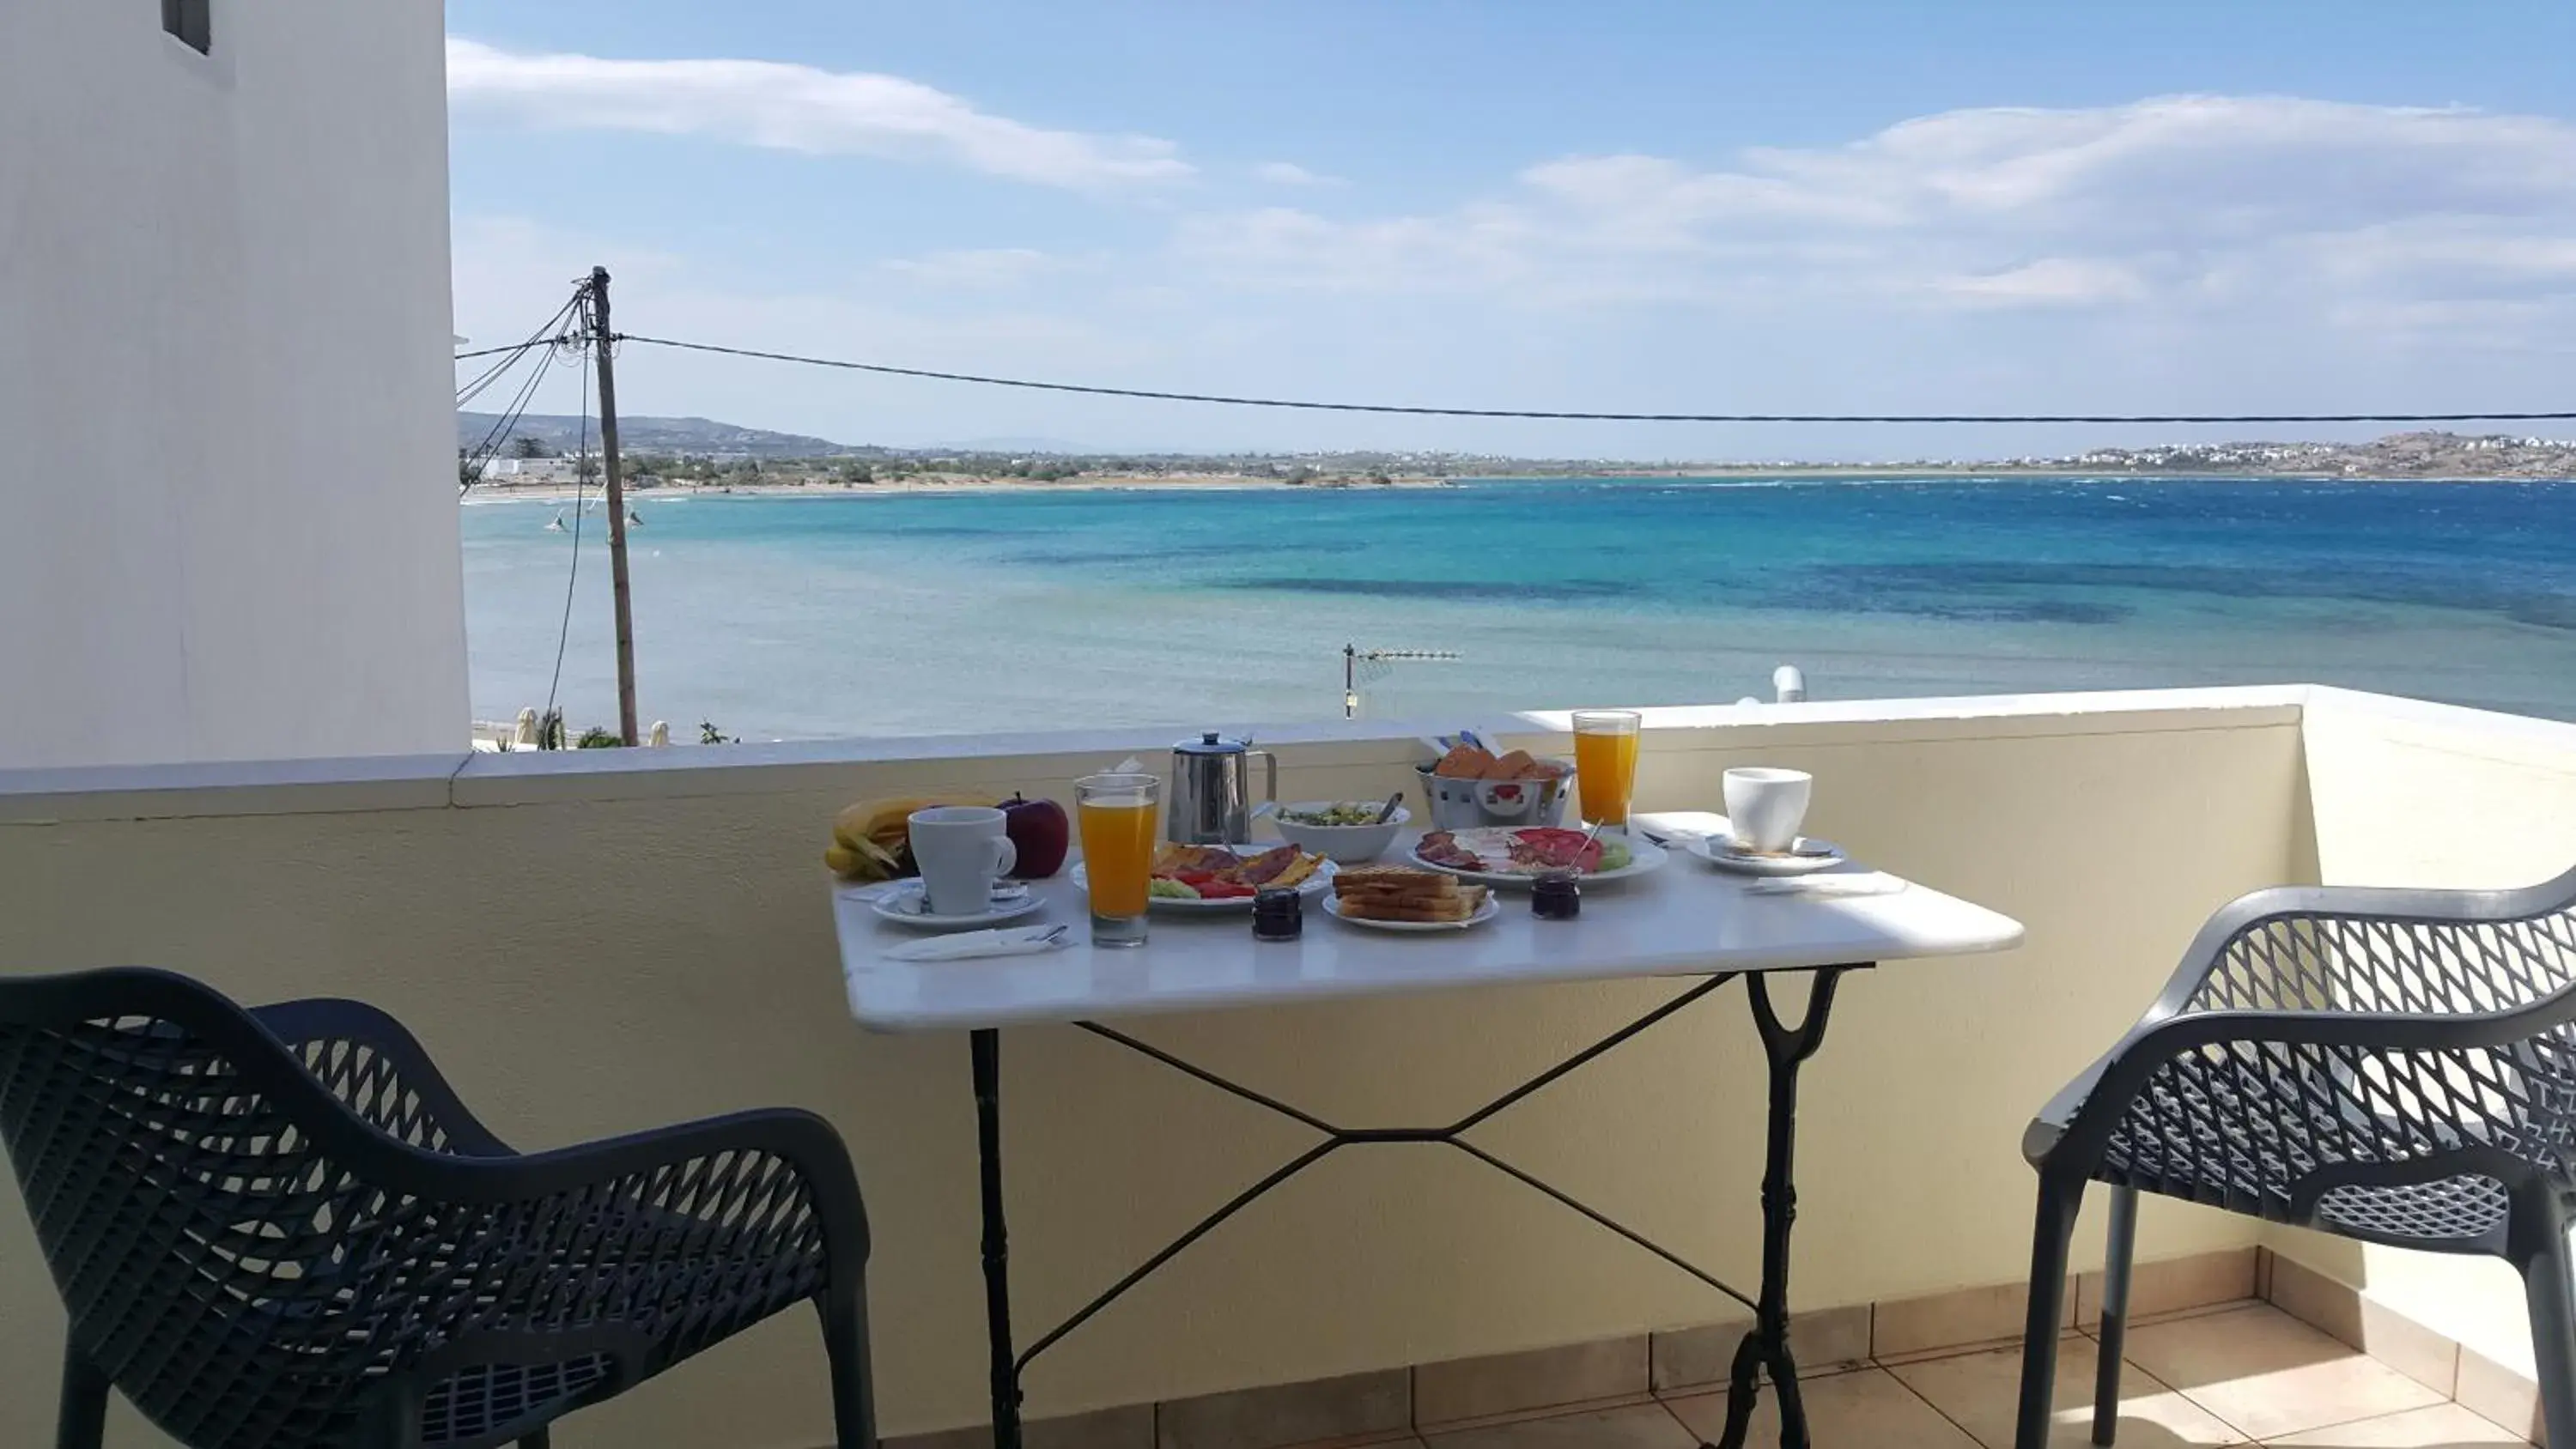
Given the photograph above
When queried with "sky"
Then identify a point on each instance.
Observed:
(1830, 206)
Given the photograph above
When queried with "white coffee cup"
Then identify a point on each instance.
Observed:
(961, 850)
(1764, 808)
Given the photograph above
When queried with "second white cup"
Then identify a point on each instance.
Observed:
(962, 850)
(1766, 807)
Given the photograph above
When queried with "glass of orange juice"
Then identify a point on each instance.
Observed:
(1116, 813)
(1605, 764)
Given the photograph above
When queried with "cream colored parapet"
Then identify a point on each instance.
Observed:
(2408, 793)
(597, 941)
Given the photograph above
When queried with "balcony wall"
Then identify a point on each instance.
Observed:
(598, 942)
(2406, 793)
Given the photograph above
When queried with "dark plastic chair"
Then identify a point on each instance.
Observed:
(2394, 1066)
(280, 1229)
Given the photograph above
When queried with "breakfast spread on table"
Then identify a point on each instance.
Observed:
(943, 863)
(1400, 893)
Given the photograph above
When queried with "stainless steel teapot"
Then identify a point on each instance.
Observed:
(1211, 798)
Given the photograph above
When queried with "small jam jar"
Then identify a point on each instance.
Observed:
(1556, 896)
(1278, 914)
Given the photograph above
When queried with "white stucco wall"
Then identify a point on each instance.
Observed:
(227, 506)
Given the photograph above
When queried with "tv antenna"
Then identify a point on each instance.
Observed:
(1374, 664)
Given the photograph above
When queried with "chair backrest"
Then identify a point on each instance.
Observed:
(2320, 1124)
(192, 1188)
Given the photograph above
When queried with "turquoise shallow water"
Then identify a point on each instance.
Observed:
(794, 617)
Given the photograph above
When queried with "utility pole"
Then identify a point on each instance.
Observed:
(600, 334)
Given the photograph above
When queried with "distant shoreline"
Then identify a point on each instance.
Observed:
(1238, 483)
(918, 487)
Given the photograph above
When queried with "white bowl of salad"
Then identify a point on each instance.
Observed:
(1345, 832)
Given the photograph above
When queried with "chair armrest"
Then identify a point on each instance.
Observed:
(2374, 1056)
(681, 1163)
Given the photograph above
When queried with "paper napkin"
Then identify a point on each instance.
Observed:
(1011, 941)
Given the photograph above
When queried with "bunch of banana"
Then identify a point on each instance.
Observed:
(872, 840)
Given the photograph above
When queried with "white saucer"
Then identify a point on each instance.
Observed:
(1486, 912)
(1813, 855)
(905, 905)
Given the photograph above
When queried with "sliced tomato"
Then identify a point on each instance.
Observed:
(1223, 890)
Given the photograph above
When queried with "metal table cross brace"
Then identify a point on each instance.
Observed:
(1765, 1348)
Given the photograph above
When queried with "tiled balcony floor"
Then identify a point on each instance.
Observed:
(2244, 1373)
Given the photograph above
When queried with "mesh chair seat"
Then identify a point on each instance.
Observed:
(488, 1405)
(2194, 1133)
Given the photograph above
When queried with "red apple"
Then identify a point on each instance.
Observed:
(1041, 834)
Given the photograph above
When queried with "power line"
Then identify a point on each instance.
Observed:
(1601, 417)
(470, 468)
(563, 635)
(516, 350)
(513, 347)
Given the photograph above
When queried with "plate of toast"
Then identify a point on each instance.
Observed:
(1400, 898)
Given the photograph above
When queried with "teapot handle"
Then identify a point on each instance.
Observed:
(1270, 778)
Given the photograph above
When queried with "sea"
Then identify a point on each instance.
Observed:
(847, 614)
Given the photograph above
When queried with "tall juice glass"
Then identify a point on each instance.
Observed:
(1605, 764)
(1116, 813)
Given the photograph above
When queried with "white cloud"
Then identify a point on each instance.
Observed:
(1289, 173)
(793, 108)
(2191, 254)
(2181, 200)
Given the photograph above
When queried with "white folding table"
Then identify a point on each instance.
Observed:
(1686, 919)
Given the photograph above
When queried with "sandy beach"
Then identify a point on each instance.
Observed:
(920, 486)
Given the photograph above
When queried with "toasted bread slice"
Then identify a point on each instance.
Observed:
(1397, 894)
(1457, 908)
(1513, 766)
(1392, 878)
(1463, 762)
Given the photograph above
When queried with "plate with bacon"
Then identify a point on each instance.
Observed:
(1517, 857)
(1214, 879)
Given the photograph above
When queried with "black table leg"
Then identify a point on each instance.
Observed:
(1766, 1347)
(986, 1046)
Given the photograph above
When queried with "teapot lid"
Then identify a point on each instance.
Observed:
(1211, 743)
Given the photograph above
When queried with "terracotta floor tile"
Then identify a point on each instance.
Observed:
(1981, 1393)
(2268, 1375)
(2443, 1426)
(1869, 1407)
(1636, 1426)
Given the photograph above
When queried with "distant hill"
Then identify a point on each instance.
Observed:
(2399, 455)
(655, 435)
